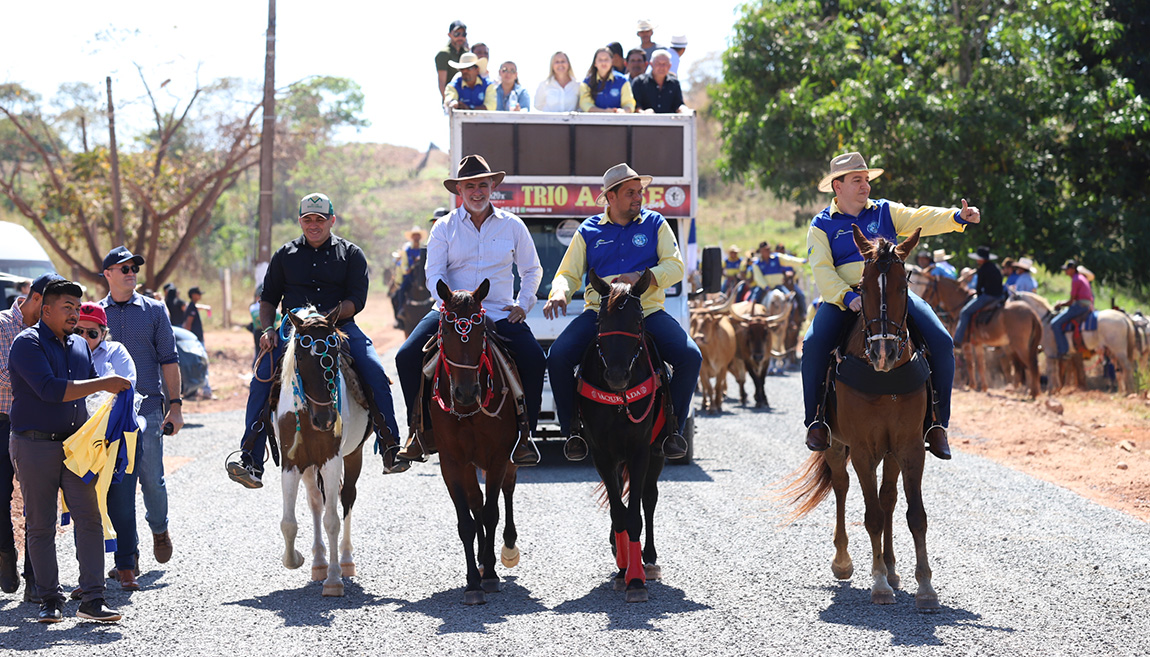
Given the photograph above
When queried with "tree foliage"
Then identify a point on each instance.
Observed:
(1033, 111)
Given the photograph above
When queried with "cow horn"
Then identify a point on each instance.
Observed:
(723, 307)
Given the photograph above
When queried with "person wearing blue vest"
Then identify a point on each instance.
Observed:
(409, 258)
(468, 89)
(837, 267)
(734, 270)
(621, 244)
(769, 271)
(605, 89)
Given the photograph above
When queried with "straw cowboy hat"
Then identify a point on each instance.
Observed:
(617, 175)
(416, 230)
(844, 164)
(469, 59)
(939, 255)
(734, 248)
(473, 167)
(1027, 264)
(983, 253)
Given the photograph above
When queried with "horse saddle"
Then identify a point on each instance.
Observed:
(1088, 322)
(985, 314)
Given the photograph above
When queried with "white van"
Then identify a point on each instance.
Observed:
(21, 257)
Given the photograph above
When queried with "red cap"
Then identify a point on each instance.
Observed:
(93, 313)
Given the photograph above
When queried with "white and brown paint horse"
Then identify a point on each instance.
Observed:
(322, 422)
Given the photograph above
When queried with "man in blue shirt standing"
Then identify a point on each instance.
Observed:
(52, 373)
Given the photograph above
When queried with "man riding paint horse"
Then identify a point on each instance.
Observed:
(325, 271)
(1080, 303)
(989, 290)
(837, 267)
(621, 244)
(478, 241)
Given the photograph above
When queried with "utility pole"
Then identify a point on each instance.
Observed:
(267, 147)
(117, 214)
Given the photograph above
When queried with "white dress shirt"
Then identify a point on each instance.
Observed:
(462, 256)
(553, 97)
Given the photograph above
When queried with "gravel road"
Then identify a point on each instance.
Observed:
(1021, 567)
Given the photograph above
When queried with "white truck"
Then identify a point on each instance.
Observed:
(555, 164)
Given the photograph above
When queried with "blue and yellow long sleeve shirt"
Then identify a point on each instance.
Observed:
(835, 259)
(734, 268)
(647, 242)
(769, 273)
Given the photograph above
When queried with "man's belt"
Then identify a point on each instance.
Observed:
(43, 435)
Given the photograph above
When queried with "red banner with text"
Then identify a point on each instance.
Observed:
(579, 200)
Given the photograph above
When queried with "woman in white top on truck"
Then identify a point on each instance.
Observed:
(559, 92)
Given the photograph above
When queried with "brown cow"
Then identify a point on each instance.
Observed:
(714, 332)
(760, 331)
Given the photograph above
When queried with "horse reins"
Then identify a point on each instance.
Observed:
(463, 326)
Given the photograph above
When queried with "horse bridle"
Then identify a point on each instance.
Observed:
(463, 326)
(901, 336)
(640, 349)
(327, 351)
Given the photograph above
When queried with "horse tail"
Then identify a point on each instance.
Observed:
(806, 487)
(601, 489)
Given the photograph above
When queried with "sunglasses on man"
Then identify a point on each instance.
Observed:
(91, 333)
(135, 269)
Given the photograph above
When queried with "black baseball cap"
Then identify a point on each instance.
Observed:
(42, 282)
(120, 255)
(455, 25)
(195, 290)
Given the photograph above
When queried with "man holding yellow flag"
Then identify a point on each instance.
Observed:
(52, 373)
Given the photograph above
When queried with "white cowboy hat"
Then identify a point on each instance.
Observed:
(469, 59)
(939, 255)
(617, 175)
(846, 163)
(1027, 264)
(416, 230)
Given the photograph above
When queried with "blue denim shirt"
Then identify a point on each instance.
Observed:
(502, 100)
(41, 367)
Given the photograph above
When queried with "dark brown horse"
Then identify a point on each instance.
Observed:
(322, 422)
(1015, 326)
(419, 300)
(869, 428)
(475, 427)
(621, 400)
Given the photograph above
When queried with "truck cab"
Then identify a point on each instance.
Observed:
(555, 164)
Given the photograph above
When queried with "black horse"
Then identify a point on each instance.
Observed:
(622, 407)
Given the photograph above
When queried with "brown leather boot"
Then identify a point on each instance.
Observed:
(936, 442)
(412, 450)
(128, 580)
(525, 453)
(161, 547)
(818, 436)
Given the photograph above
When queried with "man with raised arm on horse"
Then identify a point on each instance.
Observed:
(837, 267)
(621, 244)
(988, 291)
(325, 271)
(478, 241)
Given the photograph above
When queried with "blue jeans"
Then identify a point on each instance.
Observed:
(367, 364)
(675, 347)
(1058, 324)
(964, 316)
(525, 349)
(149, 471)
(827, 327)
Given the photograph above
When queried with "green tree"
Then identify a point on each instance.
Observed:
(1025, 109)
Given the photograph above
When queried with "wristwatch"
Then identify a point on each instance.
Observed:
(176, 400)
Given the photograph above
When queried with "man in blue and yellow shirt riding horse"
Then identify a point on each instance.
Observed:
(837, 267)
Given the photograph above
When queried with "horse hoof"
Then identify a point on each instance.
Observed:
(653, 570)
(347, 569)
(927, 604)
(318, 572)
(474, 598)
(333, 590)
(637, 595)
(843, 572)
(509, 556)
(882, 597)
(618, 583)
(894, 580)
(294, 562)
(490, 585)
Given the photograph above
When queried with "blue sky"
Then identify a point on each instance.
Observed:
(388, 51)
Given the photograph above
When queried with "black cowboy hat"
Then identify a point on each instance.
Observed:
(983, 253)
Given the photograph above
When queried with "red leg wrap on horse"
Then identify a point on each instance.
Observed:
(621, 541)
(635, 568)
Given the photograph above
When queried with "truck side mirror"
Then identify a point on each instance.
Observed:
(712, 263)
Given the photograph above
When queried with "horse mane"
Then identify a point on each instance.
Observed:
(1037, 299)
(460, 298)
(619, 293)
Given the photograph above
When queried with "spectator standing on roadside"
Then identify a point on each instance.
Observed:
(456, 46)
(51, 372)
(24, 313)
(140, 325)
(192, 320)
(177, 308)
(468, 89)
(605, 89)
(636, 64)
(659, 92)
(510, 96)
(645, 32)
(560, 91)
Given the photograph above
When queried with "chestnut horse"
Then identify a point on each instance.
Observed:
(621, 399)
(475, 428)
(868, 428)
(1015, 326)
(324, 412)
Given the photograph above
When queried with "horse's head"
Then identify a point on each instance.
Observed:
(462, 339)
(620, 336)
(316, 348)
(885, 301)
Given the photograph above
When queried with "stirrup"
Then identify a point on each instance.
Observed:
(572, 450)
(243, 471)
(525, 456)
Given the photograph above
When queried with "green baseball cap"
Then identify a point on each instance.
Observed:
(316, 203)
